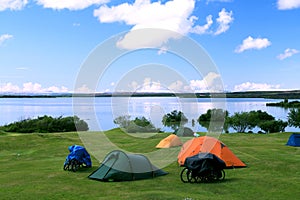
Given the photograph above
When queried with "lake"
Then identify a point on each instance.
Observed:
(100, 112)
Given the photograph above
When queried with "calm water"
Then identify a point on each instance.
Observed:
(100, 112)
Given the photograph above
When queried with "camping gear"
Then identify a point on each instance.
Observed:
(120, 166)
(170, 141)
(294, 140)
(77, 158)
(206, 144)
(203, 167)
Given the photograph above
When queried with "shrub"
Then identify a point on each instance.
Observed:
(294, 117)
(138, 125)
(174, 119)
(47, 124)
(241, 121)
(217, 116)
(273, 126)
(123, 121)
(248, 120)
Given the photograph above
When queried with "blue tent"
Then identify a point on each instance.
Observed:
(294, 140)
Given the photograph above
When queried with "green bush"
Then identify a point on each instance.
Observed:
(123, 121)
(217, 116)
(138, 125)
(174, 120)
(273, 126)
(47, 124)
(243, 121)
(294, 117)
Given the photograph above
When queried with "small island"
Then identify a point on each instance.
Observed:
(285, 104)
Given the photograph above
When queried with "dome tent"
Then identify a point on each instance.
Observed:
(120, 166)
(170, 141)
(184, 132)
(294, 140)
(206, 144)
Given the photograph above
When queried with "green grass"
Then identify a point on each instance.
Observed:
(31, 168)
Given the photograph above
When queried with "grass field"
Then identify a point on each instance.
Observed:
(31, 168)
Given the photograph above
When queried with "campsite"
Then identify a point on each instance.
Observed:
(32, 168)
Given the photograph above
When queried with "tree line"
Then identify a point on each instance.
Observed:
(241, 122)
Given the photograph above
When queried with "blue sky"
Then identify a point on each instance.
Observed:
(44, 44)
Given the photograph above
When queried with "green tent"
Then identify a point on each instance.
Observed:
(184, 132)
(119, 166)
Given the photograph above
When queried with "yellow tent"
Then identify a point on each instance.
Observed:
(170, 141)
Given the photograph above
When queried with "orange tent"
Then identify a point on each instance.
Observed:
(210, 145)
(170, 141)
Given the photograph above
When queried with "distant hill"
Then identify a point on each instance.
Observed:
(291, 94)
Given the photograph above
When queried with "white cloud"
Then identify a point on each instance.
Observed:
(198, 85)
(12, 4)
(157, 17)
(287, 53)
(9, 87)
(224, 19)
(22, 68)
(146, 38)
(150, 86)
(288, 4)
(143, 14)
(204, 28)
(210, 83)
(173, 15)
(54, 89)
(83, 89)
(5, 37)
(253, 43)
(176, 86)
(70, 4)
(147, 86)
(30, 87)
(255, 87)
